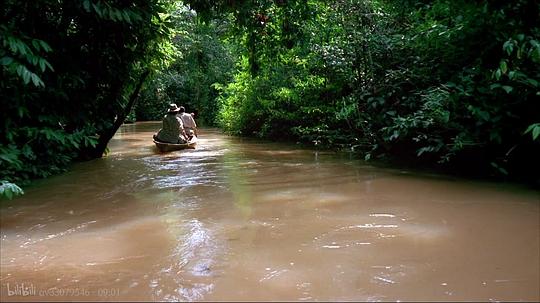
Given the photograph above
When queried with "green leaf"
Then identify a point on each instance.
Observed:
(126, 16)
(21, 47)
(498, 74)
(532, 82)
(508, 46)
(483, 114)
(534, 129)
(507, 88)
(88, 141)
(425, 149)
(75, 143)
(27, 152)
(499, 168)
(118, 14)
(535, 54)
(49, 65)
(97, 9)
(20, 69)
(35, 44)
(36, 80)
(112, 15)
(26, 75)
(503, 66)
(42, 65)
(6, 60)
(9, 190)
(86, 5)
(45, 46)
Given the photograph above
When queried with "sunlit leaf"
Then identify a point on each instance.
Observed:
(534, 129)
(503, 66)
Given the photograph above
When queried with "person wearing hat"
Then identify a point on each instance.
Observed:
(189, 123)
(173, 128)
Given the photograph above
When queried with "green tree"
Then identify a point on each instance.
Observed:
(70, 72)
(440, 83)
(202, 62)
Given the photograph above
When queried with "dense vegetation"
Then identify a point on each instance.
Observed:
(70, 72)
(453, 84)
(201, 60)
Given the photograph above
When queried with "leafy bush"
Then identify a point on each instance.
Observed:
(9, 190)
(440, 82)
(70, 73)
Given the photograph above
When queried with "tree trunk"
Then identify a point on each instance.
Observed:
(107, 135)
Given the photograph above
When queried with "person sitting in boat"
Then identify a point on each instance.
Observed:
(189, 123)
(173, 127)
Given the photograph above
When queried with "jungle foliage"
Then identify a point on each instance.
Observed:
(203, 59)
(70, 72)
(450, 84)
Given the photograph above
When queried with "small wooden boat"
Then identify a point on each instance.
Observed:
(167, 147)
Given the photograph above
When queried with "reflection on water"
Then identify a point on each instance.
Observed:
(238, 219)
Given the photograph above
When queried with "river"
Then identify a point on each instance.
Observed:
(241, 219)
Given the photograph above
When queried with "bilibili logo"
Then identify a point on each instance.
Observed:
(21, 290)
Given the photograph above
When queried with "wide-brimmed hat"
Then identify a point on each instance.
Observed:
(173, 108)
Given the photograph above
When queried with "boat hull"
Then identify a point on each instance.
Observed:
(167, 147)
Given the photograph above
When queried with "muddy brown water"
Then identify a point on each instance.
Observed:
(240, 219)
